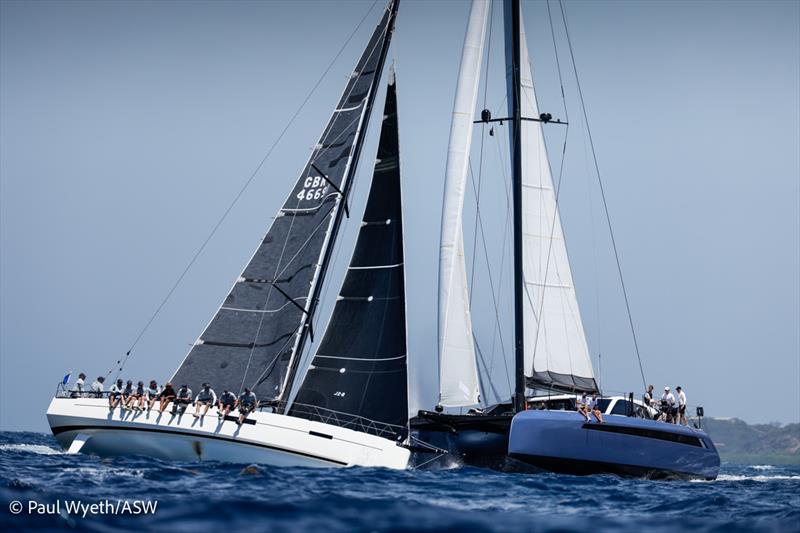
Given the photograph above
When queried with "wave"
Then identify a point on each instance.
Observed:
(760, 478)
(31, 448)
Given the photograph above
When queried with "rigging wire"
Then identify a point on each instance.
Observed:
(480, 158)
(557, 191)
(602, 193)
(121, 362)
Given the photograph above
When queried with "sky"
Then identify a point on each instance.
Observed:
(126, 129)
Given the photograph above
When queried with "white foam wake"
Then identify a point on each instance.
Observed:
(729, 477)
(31, 448)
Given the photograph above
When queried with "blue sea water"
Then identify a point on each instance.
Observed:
(214, 497)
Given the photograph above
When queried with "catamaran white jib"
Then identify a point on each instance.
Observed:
(342, 416)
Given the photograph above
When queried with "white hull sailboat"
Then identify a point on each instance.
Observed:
(86, 425)
(255, 340)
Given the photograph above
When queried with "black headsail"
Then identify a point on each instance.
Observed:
(358, 378)
(258, 333)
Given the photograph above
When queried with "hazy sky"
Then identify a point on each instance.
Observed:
(126, 128)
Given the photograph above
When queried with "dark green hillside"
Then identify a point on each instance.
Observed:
(741, 442)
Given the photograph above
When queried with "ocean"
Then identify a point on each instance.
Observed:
(57, 491)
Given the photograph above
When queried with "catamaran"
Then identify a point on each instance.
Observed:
(350, 403)
(550, 350)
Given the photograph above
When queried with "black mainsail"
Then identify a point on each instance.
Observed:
(256, 337)
(358, 376)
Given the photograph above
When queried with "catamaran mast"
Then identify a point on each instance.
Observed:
(519, 281)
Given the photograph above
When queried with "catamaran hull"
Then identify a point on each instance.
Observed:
(86, 425)
(562, 441)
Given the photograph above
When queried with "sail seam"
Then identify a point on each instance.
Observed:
(362, 358)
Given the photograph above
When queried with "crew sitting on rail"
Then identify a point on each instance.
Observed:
(136, 399)
(115, 394)
(127, 392)
(227, 402)
(152, 393)
(594, 408)
(97, 386)
(166, 396)
(247, 403)
(205, 399)
(182, 400)
(583, 403)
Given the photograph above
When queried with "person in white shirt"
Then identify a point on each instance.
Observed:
(152, 392)
(595, 409)
(583, 403)
(97, 386)
(667, 404)
(182, 400)
(205, 399)
(80, 386)
(682, 406)
(247, 404)
(115, 394)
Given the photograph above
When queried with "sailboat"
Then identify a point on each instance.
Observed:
(550, 351)
(256, 338)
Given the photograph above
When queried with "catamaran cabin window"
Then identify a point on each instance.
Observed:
(603, 405)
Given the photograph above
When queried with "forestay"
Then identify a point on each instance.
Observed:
(358, 376)
(254, 338)
(458, 373)
(556, 352)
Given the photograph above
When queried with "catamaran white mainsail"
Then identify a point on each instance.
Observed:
(556, 352)
(555, 349)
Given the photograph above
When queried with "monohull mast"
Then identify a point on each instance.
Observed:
(358, 377)
(257, 336)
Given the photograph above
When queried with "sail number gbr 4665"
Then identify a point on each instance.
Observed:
(314, 188)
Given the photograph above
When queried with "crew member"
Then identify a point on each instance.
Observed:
(682, 405)
(115, 394)
(648, 396)
(182, 400)
(167, 395)
(247, 403)
(97, 386)
(583, 403)
(205, 399)
(594, 408)
(80, 386)
(227, 402)
(667, 404)
(152, 393)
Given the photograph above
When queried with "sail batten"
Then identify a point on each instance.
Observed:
(458, 372)
(245, 344)
(358, 377)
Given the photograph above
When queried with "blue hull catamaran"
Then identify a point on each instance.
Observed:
(550, 350)
(564, 442)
